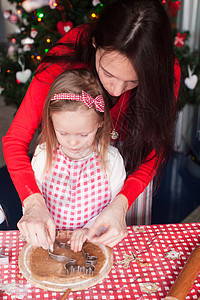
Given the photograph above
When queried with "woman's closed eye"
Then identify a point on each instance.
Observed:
(107, 74)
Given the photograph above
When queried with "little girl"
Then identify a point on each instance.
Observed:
(76, 169)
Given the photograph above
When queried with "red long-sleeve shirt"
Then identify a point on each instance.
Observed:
(16, 141)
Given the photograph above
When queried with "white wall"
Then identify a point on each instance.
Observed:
(189, 19)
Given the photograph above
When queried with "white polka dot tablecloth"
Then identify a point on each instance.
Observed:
(146, 264)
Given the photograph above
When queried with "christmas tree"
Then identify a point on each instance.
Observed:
(41, 23)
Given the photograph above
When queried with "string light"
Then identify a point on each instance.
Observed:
(32, 56)
(46, 50)
(39, 19)
(40, 15)
(38, 57)
(13, 40)
(93, 15)
(19, 11)
(8, 71)
(48, 40)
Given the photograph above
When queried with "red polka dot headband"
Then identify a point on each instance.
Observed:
(84, 97)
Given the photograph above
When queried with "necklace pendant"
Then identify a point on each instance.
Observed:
(114, 134)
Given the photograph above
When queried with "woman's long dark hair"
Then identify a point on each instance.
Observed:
(140, 30)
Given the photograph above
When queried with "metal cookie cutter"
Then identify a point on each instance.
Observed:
(61, 258)
(70, 264)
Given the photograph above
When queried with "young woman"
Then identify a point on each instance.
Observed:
(130, 48)
(78, 173)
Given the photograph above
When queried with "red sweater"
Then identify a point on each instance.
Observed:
(16, 141)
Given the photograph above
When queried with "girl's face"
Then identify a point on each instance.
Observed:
(76, 131)
(115, 71)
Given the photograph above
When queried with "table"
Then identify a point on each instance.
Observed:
(146, 264)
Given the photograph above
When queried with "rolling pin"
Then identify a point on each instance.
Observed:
(186, 278)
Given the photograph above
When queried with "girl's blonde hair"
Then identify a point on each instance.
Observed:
(74, 81)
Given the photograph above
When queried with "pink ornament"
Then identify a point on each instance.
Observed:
(11, 51)
(33, 33)
(95, 2)
(14, 19)
(64, 27)
(179, 39)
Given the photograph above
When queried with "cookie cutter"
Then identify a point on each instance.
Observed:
(58, 257)
(71, 266)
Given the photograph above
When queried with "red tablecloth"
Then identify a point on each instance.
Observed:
(146, 264)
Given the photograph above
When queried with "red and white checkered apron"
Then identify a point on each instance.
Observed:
(75, 191)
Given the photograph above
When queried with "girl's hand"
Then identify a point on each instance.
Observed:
(113, 219)
(79, 236)
(37, 225)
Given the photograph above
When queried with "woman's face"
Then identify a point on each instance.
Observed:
(115, 71)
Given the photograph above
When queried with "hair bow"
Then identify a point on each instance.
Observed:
(84, 97)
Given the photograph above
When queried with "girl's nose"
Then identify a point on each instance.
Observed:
(73, 140)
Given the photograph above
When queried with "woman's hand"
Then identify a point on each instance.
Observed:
(37, 225)
(113, 219)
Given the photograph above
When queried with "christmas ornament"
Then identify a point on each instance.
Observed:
(64, 27)
(20, 50)
(33, 33)
(179, 39)
(30, 5)
(27, 48)
(7, 14)
(14, 19)
(52, 4)
(192, 80)
(173, 8)
(24, 75)
(20, 30)
(26, 41)
(13, 40)
(95, 2)
(11, 51)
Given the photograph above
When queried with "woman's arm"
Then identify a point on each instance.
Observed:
(16, 141)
